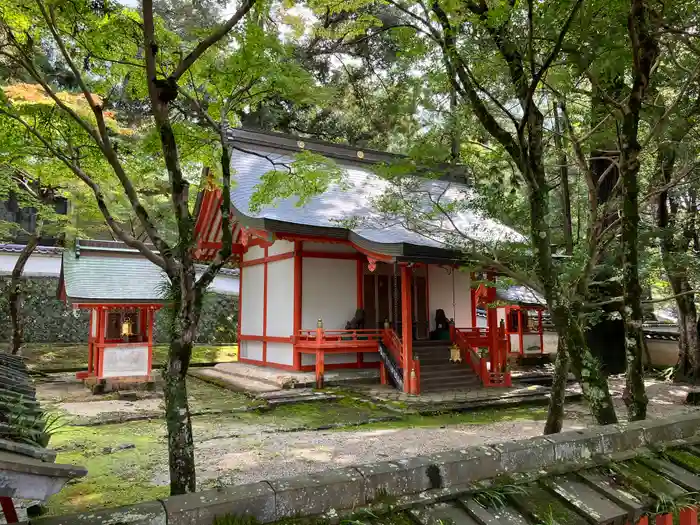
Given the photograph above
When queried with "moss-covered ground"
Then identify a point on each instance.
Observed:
(58, 357)
(127, 462)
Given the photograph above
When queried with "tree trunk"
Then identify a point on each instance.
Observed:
(16, 296)
(585, 366)
(688, 367)
(177, 410)
(555, 414)
(635, 396)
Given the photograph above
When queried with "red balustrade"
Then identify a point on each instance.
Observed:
(492, 369)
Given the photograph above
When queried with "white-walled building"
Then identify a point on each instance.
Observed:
(306, 271)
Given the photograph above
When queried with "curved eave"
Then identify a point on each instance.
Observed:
(400, 251)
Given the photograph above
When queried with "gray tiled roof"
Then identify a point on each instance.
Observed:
(42, 250)
(519, 294)
(354, 198)
(111, 277)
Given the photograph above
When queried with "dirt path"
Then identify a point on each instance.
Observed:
(254, 457)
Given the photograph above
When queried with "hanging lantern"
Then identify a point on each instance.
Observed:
(127, 329)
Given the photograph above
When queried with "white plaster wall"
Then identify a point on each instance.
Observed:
(252, 300)
(329, 292)
(280, 298)
(37, 265)
(441, 285)
(251, 350)
(328, 247)
(281, 353)
(514, 343)
(531, 340)
(125, 361)
(501, 312)
(280, 246)
(254, 252)
(93, 322)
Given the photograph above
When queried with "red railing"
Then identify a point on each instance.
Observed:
(491, 368)
(393, 342)
(338, 339)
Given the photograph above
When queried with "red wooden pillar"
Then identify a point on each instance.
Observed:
(8, 509)
(298, 247)
(492, 323)
(406, 327)
(689, 516)
(472, 298)
(320, 364)
(664, 519)
(91, 340)
(150, 314)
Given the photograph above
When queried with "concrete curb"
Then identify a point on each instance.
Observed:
(349, 488)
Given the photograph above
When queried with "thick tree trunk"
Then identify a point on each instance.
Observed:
(16, 295)
(585, 366)
(635, 396)
(688, 367)
(177, 411)
(555, 414)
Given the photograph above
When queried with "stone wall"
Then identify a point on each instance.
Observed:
(419, 478)
(49, 320)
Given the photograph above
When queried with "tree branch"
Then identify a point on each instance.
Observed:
(209, 41)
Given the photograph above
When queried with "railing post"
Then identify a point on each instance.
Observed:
(319, 354)
(689, 516)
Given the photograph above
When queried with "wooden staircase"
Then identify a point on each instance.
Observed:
(437, 373)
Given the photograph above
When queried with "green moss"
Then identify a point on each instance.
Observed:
(684, 459)
(476, 417)
(52, 357)
(547, 510)
(204, 396)
(115, 477)
(315, 414)
(648, 481)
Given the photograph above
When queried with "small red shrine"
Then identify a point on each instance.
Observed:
(122, 291)
(318, 294)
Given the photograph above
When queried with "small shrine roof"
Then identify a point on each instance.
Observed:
(347, 210)
(108, 272)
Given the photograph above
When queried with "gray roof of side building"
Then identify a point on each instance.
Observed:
(328, 214)
(522, 295)
(122, 276)
(109, 271)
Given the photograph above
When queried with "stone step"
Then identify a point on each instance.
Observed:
(231, 381)
(445, 387)
(450, 374)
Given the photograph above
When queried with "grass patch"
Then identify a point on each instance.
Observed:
(54, 357)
